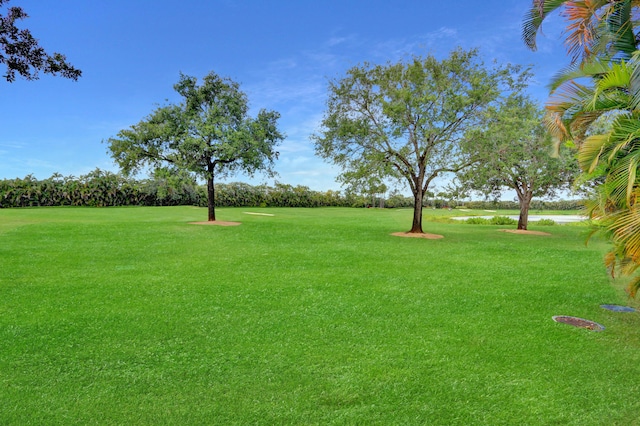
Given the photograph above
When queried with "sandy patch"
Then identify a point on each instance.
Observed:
(416, 235)
(216, 222)
(524, 232)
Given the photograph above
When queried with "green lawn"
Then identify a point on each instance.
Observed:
(308, 317)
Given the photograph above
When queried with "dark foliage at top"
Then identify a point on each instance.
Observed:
(21, 53)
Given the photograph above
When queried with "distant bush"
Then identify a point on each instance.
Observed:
(477, 221)
(398, 201)
(545, 222)
(502, 220)
(496, 220)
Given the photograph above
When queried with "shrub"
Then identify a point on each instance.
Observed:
(545, 222)
(496, 220)
(502, 220)
(477, 221)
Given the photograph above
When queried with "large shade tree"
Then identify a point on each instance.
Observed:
(407, 120)
(518, 156)
(21, 54)
(210, 133)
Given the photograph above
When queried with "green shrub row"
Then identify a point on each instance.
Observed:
(102, 188)
(496, 220)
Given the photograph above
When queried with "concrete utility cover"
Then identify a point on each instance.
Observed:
(579, 322)
(618, 308)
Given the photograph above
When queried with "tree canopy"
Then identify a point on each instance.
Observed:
(407, 121)
(209, 133)
(518, 156)
(21, 53)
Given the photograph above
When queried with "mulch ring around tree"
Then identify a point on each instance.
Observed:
(524, 232)
(216, 222)
(579, 322)
(417, 235)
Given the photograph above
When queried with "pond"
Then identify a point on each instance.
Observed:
(569, 218)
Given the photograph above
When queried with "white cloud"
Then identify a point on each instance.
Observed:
(12, 145)
(334, 41)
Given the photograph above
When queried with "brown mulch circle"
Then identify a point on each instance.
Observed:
(216, 222)
(416, 235)
(524, 232)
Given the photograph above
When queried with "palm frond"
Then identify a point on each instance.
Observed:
(534, 17)
(617, 77)
(588, 69)
(633, 287)
(553, 122)
(583, 18)
(594, 27)
(634, 82)
(620, 25)
(590, 152)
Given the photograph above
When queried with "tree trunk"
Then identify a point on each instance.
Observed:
(211, 199)
(416, 228)
(525, 202)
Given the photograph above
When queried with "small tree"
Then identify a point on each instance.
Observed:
(209, 134)
(407, 120)
(20, 52)
(518, 156)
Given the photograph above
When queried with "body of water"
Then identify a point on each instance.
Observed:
(569, 218)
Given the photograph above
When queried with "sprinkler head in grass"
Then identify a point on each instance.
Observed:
(579, 322)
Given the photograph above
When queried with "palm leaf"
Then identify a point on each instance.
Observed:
(533, 18)
(582, 31)
(588, 69)
(620, 27)
(590, 152)
(634, 81)
(617, 77)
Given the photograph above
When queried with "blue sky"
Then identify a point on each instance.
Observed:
(281, 52)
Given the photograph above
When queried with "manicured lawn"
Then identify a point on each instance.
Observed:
(310, 316)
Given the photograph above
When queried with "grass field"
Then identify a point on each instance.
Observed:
(308, 317)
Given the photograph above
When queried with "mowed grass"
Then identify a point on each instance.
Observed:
(310, 316)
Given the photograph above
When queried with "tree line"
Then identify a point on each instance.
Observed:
(101, 188)
(105, 189)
